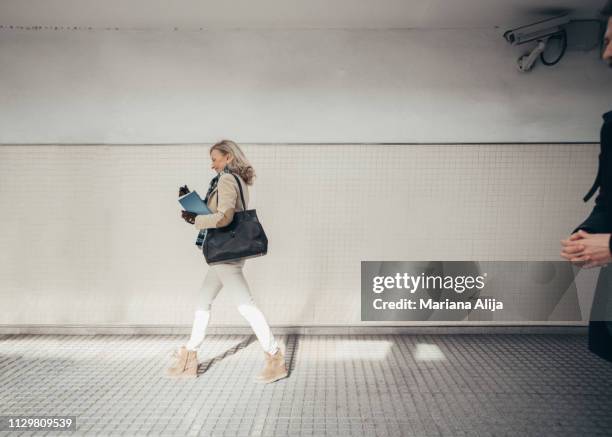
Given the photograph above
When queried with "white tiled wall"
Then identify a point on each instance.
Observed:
(93, 234)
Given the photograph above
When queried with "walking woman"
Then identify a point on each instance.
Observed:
(223, 200)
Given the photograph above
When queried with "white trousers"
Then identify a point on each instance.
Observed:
(230, 277)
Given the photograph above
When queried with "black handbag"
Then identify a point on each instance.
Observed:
(244, 237)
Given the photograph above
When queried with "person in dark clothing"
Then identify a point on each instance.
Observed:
(590, 244)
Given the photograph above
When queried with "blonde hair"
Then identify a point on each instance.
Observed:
(239, 165)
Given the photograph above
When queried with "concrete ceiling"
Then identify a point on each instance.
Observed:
(248, 14)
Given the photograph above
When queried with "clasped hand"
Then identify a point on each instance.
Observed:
(587, 250)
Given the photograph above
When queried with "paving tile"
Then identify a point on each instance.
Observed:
(339, 385)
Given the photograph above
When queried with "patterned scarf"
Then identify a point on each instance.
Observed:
(211, 187)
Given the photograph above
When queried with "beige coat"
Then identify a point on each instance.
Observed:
(227, 194)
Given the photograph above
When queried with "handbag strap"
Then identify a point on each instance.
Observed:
(241, 194)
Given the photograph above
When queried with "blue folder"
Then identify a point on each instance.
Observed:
(192, 202)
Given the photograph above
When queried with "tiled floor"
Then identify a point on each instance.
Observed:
(451, 385)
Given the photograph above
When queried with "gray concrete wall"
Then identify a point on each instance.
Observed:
(305, 86)
(90, 234)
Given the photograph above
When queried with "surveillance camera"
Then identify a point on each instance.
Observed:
(525, 62)
(536, 31)
(542, 32)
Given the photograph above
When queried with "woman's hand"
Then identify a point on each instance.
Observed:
(189, 217)
(183, 190)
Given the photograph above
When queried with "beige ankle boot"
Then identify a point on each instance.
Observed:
(274, 367)
(186, 364)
